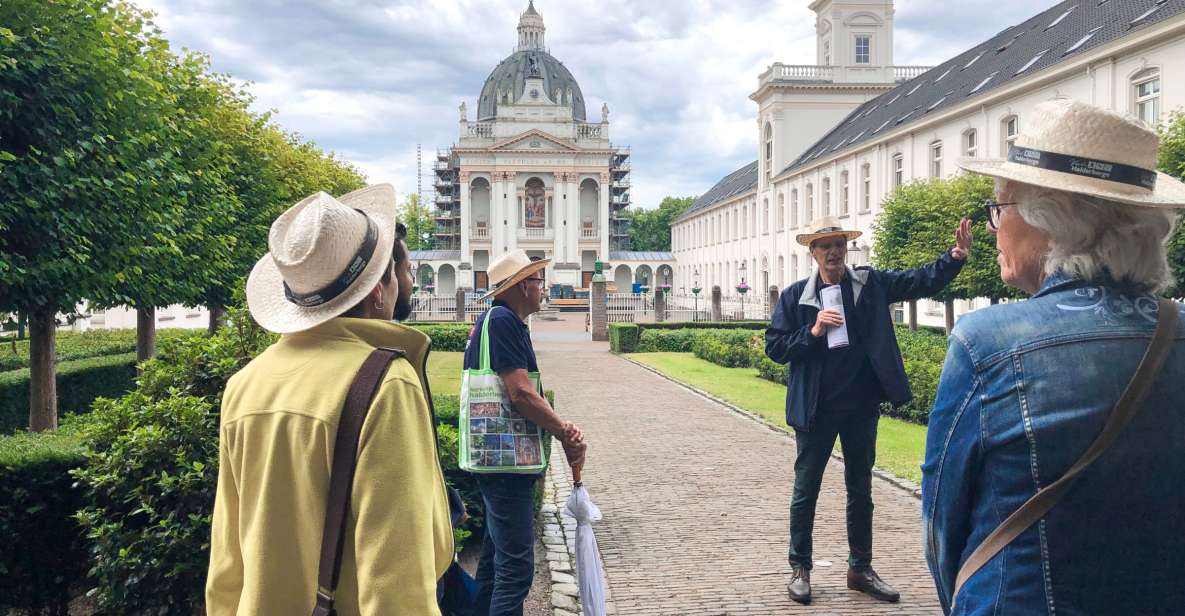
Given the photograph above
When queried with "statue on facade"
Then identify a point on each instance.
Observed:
(604, 112)
(462, 110)
(532, 66)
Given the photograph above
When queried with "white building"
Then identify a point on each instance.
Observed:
(838, 137)
(530, 171)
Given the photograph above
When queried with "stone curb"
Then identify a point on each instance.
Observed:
(906, 485)
(559, 537)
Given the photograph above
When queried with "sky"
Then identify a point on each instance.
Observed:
(371, 79)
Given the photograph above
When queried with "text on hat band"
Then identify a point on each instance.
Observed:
(1086, 167)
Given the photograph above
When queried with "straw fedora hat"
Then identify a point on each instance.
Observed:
(511, 269)
(826, 226)
(325, 256)
(1072, 146)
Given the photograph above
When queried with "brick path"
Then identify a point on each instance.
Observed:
(696, 499)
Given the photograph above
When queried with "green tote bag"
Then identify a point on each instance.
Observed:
(494, 438)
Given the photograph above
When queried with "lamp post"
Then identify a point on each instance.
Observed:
(695, 289)
(855, 250)
(742, 288)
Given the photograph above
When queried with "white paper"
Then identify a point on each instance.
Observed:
(832, 297)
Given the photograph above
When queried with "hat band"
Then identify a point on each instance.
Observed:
(357, 265)
(828, 230)
(1086, 167)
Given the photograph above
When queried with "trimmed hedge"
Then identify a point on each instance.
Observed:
(78, 384)
(705, 325)
(449, 337)
(71, 346)
(623, 337)
(43, 550)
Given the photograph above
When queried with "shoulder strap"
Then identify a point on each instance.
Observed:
(341, 476)
(1125, 409)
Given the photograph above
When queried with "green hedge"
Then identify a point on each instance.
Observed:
(78, 384)
(705, 325)
(71, 346)
(681, 340)
(449, 337)
(623, 337)
(43, 550)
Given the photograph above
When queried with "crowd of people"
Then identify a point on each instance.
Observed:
(1052, 480)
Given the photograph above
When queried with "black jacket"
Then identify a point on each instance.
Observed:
(788, 338)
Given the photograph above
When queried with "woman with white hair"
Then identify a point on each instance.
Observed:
(1054, 479)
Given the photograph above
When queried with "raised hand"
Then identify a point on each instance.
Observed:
(962, 248)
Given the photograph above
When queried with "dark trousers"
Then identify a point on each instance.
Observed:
(857, 435)
(507, 563)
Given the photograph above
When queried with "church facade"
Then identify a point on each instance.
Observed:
(530, 170)
(836, 138)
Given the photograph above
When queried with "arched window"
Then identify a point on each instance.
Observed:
(866, 181)
(970, 143)
(769, 150)
(843, 194)
(781, 212)
(765, 217)
(1146, 96)
(825, 201)
(781, 271)
(809, 213)
(534, 204)
(1009, 127)
(794, 208)
(794, 267)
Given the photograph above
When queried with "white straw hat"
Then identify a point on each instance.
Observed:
(510, 269)
(825, 226)
(1072, 146)
(325, 256)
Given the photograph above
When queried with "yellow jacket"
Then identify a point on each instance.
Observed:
(279, 421)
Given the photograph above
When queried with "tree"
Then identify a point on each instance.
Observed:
(919, 222)
(420, 221)
(651, 229)
(1172, 162)
(80, 114)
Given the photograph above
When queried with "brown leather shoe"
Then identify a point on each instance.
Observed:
(865, 580)
(800, 585)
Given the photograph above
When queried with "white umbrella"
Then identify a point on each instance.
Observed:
(589, 577)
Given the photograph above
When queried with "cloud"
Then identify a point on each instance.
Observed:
(370, 79)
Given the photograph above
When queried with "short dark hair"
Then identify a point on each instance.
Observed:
(400, 253)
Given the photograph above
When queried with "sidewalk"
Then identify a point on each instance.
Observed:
(696, 498)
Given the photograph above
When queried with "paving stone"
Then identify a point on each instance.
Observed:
(562, 578)
(563, 601)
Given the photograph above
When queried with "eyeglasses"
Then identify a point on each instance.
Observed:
(992, 208)
(538, 281)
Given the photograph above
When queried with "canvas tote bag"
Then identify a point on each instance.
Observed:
(493, 437)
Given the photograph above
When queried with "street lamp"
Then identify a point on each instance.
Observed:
(742, 288)
(695, 289)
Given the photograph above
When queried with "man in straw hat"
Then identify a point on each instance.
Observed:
(835, 331)
(330, 284)
(1080, 218)
(507, 563)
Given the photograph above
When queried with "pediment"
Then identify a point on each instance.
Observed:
(535, 140)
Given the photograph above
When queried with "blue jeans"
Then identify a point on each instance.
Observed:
(507, 563)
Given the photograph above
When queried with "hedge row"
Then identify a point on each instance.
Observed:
(671, 336)
(78, 384)
(449, 337)
(43, 550)
(923, 351)
(71, 346)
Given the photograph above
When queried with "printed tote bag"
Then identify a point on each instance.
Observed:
(494, 438)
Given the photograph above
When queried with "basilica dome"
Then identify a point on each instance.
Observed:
(511, 75)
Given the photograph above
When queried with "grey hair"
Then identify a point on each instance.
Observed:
(1096, 238)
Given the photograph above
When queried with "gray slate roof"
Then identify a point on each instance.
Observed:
(735, 183)
(640, 255)
(511, 74)
(1045, 40)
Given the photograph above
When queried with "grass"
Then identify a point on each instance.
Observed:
(444, 372)
(900, 446)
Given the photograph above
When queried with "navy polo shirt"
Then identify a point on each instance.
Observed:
(509, 340)
(849, 382)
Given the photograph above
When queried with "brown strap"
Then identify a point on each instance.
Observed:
(341, 476)
(1129, 404)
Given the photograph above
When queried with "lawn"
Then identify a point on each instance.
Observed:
(444, 372)
(900, 446)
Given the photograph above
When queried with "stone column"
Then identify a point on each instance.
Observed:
(603, 198)
(599, 310)
(717, 296)
(913, 315)
(773, 302)
(660, 306)
(460, 305)
(466, 217)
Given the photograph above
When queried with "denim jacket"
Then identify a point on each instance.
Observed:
(1026, 388)
(788, 338)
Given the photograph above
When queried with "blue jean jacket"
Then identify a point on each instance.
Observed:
(1025, 389)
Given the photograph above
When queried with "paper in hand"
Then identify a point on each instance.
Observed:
(832, 297)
